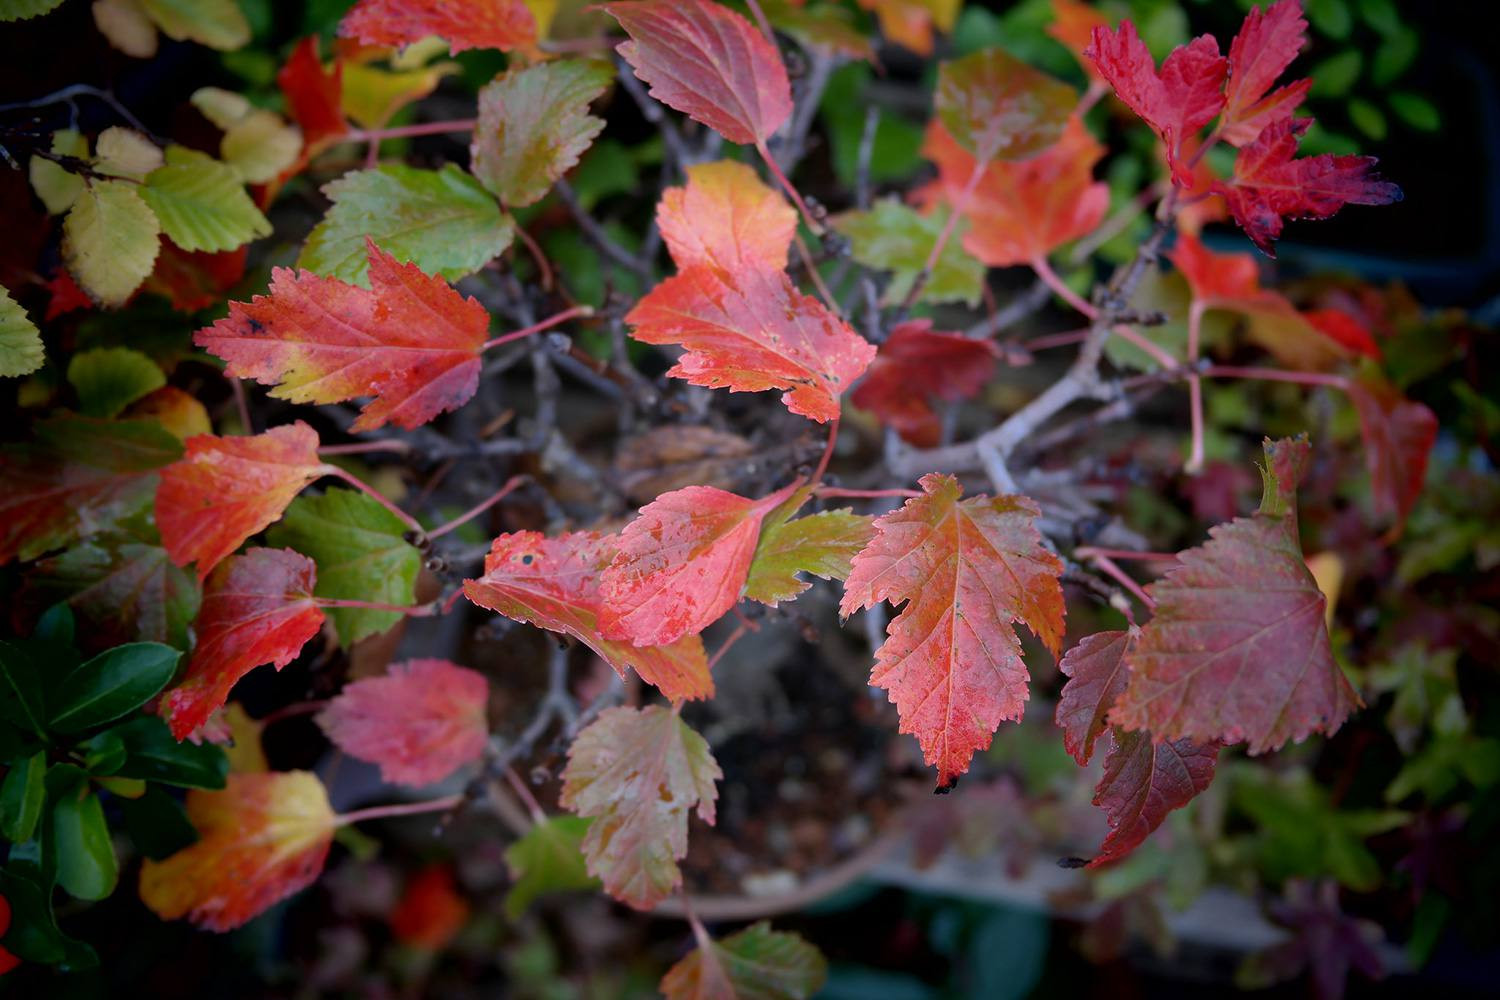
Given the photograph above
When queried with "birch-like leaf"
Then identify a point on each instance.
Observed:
(219, 24)
(892, 236)
(547, 858)
(201, 202)
(20, 341)
(110, 240)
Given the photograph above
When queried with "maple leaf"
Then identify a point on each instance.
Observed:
(1022, 210)
(534, 125)
(430, 911)
(915, 364)
(994, 105)
(421, 721)
(682, 563)
(1237, 650)
(553, 583)
(226, 489)
(823, 544)
(1344, 329)
(725, 217)
(707, 62)
(1143, 781)
(463, 24)
(1177, 100)
(1270, 184)
(547, 858)
(257, 608)
(966, 570)
(910, 23)
(752, 330)
(313, 96)
(410, 341)
(1398, 435)
(1267, 43)
(755, 964)
(637, 773)
(261, 839)
(74, 477)
(1097, 675)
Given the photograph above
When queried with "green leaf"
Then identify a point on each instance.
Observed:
(549, 858)
(112, 684)
(896, 152)
(20, 341)
(996, 106)
(821, 544)
(1336, 75)
(57, 186)
(56, 625)
(219, 24)
(894, 237)
(110, 240)
(534, 125)
(444, 221)
(157, 823)
(108, 379)
(33, 934)
(86, 863)
(361, 553)
(154, 755)
(1415, 110)
(1381, 15)
(1331, 17)
(22, 796)
(201, 202)
(22, 701)
(1394, 57)
(755, 964)
(20, 10)
(260, 147)
(1169, 294)
(1367, 118)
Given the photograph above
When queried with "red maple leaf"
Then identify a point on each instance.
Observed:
(966, 570)
(463, 24)
(682, 563)
(421, 721)
(1344, 329)
(1096, 674)
(409, 340)
(916, 363)
(707, 62)
(1237, 649)
(1022, 210)
(752, 330)
(1267, 43)
(75, 477)
(257, 608)
(1270, 184)
(261, 839)
(553, 583)
(314, 97)
(226, 489)
(1399, 435)
(1143, 781)
(1073, 24)
(1176, 101)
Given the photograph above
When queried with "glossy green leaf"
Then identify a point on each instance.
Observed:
(108, 379)
(86, 863)
(157, 823)
(894, 237)
(22, 698)
(361, 553)
(20, 341)
(443, 221)
(202, 203)
(549, 858)
(22, 796)
(154, 755)
(115, 682)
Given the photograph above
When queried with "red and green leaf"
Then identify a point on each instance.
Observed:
(756, 963)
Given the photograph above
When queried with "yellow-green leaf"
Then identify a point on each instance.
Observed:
(220, 106)
(260, 146)
(894, 237)
(20, 340)
(821, 544)
(441, 220)
(123, 152)
(219, 24)
(125, 24)
(108, 379)
(56, 186)
(755, 964)
(20, 10)
(110, 240)
(549, 858)
(201, 203)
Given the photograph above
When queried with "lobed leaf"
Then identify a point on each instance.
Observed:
(966, 570)
(1398, 435)
(823, 544)
(637, 773)
(463, 24)
(915, 364)
(1143, 781)
(1097, 676)
(1267, 43)
(757, 963)
(313, 96)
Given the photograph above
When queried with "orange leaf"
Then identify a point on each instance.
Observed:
(314, 97)
(430, 911)
(682, 564)
(420, 722)
(553, 583)
(910, 23)
(1073, 25)
(257, 608)
(727, 218)
(966, 570)
(261, 839)
(463, 24)
(707, 62)
(409, 340)
(226, 489)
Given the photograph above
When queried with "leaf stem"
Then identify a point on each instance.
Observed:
(955, 211)
(291, 711)
(1110, 568)
(787, 186)
(409, 610)
(838, 491)
(510, 486)
(1089, 551)
(1059, 287)
(740, 631)
(377, 496)
(833, 436)
(546, 324)
(761, 21)
(538, 815)
(1195, 389)
(365, 447)
(410, 131)
(1278, 375)
(399, 809)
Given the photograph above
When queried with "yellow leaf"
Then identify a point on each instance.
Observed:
(125, 24)
(56, 186)
(110, 240)
(123, 152)
(372, 95)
